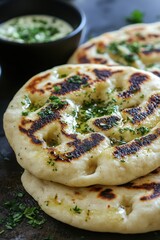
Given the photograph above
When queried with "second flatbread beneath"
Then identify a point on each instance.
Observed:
(135, 45)
(130, 208)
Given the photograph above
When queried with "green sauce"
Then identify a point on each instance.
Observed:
(34, 29)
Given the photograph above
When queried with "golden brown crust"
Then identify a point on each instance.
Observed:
(87, 124)
(134, 45)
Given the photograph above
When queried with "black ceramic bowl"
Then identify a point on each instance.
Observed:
(19, 61)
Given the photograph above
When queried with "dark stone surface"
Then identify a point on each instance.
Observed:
(102, 16)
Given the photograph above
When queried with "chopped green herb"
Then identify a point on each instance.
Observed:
(115, 141)
(76, 209)
(34, 29)
(143, 130)
(26, 101)
(51, 162)
(130, 58)
(17, 211)
(75, 79)
(131, 130)
(63, 75)
(25, 113)
(32, 213)
(135, 17)
(122, 160)
(92, 109)
(55, 103)
(100, 50)
(74, 113)
(20, 194)
(142, 96)
(113, 48)
(28, 106)
(133, 47)
(57, 88)
(46, 112)
(117, 49)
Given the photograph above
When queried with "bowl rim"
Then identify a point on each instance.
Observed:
(75, 31)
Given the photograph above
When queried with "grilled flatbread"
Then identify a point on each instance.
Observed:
(135, 45)
(130, 208)
(87, 124)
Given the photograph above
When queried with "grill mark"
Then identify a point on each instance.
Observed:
(99, 60)
(136, 145)
(95, 188)
(107, 194)
(67, 87)
(90, 46)
(138, 116)
(154, 187)
(135, 81)
(141, 37)
(148, 52)
(81, 147)
(26, 121)
(157, 170)
(40, 123)
(155, 194)
(106, 123)
(156, 73)
(32, 86)
(150, 35)
(83, 59)
(102, 74)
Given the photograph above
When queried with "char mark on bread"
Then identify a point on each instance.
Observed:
(136, 145)
(71, 85)
(99, 60)
(150, 51)
(32, 87)
(157, 73)
(81, 147)
(136, 80)
(152, 186)
(107, 194)
(103, 74)
(138, 115)
(83, 59)
(106, 123)
(49, 114)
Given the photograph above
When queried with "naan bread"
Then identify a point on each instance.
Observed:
(130, 208)
(135, 45)
(87, 124)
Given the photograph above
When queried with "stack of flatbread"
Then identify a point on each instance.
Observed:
(88, 135)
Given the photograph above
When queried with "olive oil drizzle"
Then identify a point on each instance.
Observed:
(91, 109)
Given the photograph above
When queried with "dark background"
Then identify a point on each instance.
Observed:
(102, 16)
